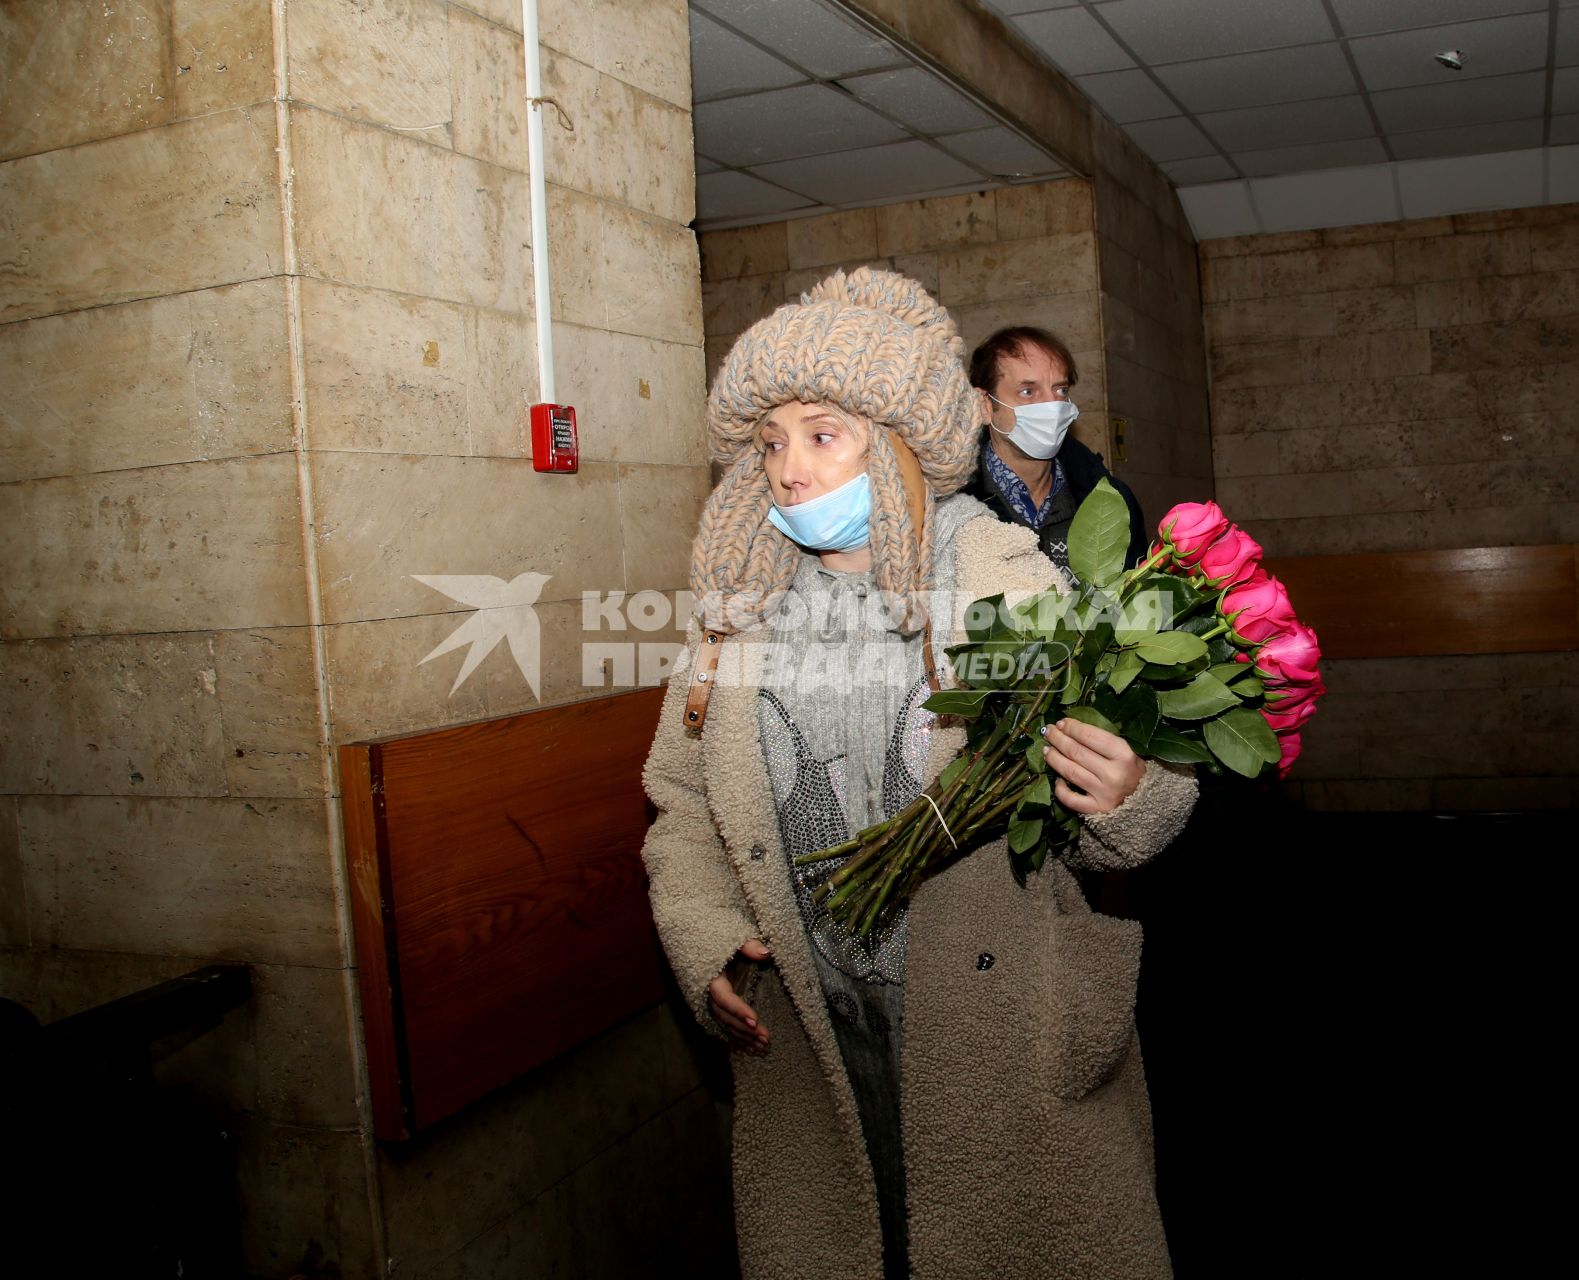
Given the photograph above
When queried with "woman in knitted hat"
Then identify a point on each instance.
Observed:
(960, 1093)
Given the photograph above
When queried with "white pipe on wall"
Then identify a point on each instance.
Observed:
(544, 316)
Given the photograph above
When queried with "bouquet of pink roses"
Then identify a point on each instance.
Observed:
(1193, 657)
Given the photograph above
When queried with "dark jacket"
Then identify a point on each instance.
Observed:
(1082, 470)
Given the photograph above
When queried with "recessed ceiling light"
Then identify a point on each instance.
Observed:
(1452, 59)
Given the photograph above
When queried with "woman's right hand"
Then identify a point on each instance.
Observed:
(734, 1015)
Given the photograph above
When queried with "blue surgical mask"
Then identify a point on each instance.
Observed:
(839, 520)
(1039, 429)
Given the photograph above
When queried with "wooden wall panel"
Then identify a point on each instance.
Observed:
(500, 901)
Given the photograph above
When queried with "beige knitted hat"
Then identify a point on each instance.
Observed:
(876, 345)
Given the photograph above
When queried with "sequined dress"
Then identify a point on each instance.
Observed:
(844, 738)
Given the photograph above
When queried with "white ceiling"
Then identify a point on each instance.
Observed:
(800, 110)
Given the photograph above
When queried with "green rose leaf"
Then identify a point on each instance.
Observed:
(1125, 670)
(1039, 792)
(1204, 696)
(1034, 758)
(1242, 740)
(951, 774)
(1099, 536)
(1171, 648)
(958, 702)
(1024, 834)
(984, 619)
(1169, 743)
(1228, 672)
(1090, 715)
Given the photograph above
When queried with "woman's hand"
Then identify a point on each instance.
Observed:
(734, 1015)
(1101, 764)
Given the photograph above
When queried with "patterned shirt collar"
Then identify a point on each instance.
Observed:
(1014, 489)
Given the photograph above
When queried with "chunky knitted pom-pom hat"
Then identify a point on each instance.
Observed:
(876, 345)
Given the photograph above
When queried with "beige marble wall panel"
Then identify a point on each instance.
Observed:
(923, 268)
(302, 1030)
(1497, 298)
(313, 1201)
(76, 72)
(948, 222)
(637, 400)
(385, 372)
(1374, 232)
(576, 258)
(505, 13)
(239, 879)
(386, 63)
(1071, 316)
(124, 715)
(1400, 353)
(651, 277)
(831, 238)
(196, 376)
(381, 209)
(1257, 364)
(382, 517)
(268, 710)
(1258, 246)
(645, 43)
(380, 683)
(659, 509)
(1019, 269)
(627, 146)
(205, 546)
(1464, 256)
(1267, 319)
(488, 92)
(157, 212)
(792, 284)
(744, 251)
(1556, 248)
(732, 306)
(223, 52)
(14, 929)
(1504, 346)
(1369, 266)
(501, 381)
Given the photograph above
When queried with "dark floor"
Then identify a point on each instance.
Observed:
(1351, 1028)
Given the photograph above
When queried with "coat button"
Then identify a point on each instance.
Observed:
(984, 962)
(758, 853)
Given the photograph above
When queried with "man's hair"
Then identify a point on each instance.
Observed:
(1012, 342)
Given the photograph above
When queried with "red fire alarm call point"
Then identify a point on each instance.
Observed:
(555, 446)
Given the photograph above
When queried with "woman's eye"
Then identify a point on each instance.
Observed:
(824, 437)
(772, 446)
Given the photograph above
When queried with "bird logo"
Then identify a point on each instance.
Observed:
(504, 612)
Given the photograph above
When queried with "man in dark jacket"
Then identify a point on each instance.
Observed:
(1031, 472)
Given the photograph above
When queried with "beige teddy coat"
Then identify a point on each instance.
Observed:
(1027, 1130)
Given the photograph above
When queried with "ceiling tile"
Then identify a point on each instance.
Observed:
(1567, 47)
(736, 195)
(704, 165)
(1128, 95)
(1176, 138)
(897, 171)
(1362, 17)
(1565, 129)
(919, 99)
(1498, 47)
(1467, 184)
(1290, 124)
(1198, 169)
(1506, 135)
(1318, 155)
(1464, 102)
(1331, 198)
(755, 129)
(1012, 7)
(1565, 90)
(1166, 31)
(805, 32)
(1255, 79)
(1000, 152)
(1220, 209)
(722, 63)
(1074, 40)
(1562, 175)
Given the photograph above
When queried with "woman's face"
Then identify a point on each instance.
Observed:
(810, 450)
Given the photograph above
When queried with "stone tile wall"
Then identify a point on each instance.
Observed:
(267, 333)
(1408, 386)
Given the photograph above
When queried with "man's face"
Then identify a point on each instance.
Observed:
(1031, 376)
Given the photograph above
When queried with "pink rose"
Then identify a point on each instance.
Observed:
(1287, 721)
(1232, 558)
(1291, 657)
(1190, 528)
(1291, 748)
(1262, 608)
